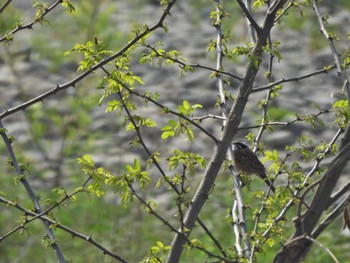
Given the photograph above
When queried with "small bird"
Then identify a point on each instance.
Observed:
(247, 162)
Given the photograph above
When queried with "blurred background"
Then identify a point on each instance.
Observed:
(51, 135)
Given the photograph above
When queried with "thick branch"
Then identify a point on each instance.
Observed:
(230, 130)
(294, 251)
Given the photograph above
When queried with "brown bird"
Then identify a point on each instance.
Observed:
(247, 162)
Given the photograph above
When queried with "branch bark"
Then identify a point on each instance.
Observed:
(88, 72)
(31, 194)
(299, 245)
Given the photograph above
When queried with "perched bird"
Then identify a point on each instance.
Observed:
(247, 162)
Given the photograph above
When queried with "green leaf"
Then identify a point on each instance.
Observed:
(259, 3)
(86, 161)
(167, 134)
(169, 130)
(341, 104)
(160, 244)
(67, 4)
(137, 165)
(197, 243)
(129, 168)
(155, 249)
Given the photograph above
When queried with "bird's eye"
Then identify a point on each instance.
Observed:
(241, 145)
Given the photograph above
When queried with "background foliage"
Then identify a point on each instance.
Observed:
(129, 105)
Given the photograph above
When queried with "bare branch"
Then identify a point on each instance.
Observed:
(341, 72)
(211, 236)
(330, 218)
(334, 198)
(62, 227)
(30, 192)
(230, 130)
(3, 7)
(192, 120)
(257, 139)
(308, 75)
(285, 10)
(291, 203)
(252, 23)
(82, 76)
(197, 65)
(267, 100)
(172, 228)
(238, 211)
(297, 250)
(30, 24)
(208, 116)
(323, 247)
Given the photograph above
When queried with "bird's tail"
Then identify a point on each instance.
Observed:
(268, 182)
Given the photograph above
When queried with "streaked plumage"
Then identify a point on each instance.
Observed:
(247, 162)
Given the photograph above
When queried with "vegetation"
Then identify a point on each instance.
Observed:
(101, 164)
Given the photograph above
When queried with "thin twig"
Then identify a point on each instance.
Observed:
(341, 72)
(82, 76)
(287, 123)
(48, 210)
(330, 218)
(30, 24)
(197, 65)
(211, 236)
(285, 80)
(324, 247)
(56, 224)
(208, 116)
(145, 147)
(190, 120)
(334, 198)
(30, 192)
(172, 228)
(291, 203)
(257, 140)
(2, 8)
(267, 100)
(284, 11)
(296, 240)
(249, 17)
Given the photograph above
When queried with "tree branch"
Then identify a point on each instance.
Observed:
(295, 251)
(82, 76)
(30, 192)
(3, 7)
(330, 218)
(341, 72)
(230, 130)
(252, 23)
(285, 80)
(30, 24)
(183, 64)
(62, 227)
